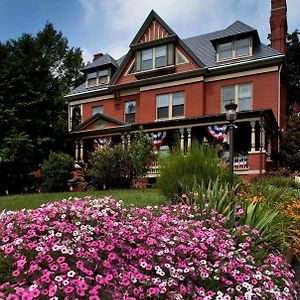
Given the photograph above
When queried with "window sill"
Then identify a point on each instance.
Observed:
(155, 72)
(234, 59)
(170, 119)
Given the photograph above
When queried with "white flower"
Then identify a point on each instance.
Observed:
(71, 274)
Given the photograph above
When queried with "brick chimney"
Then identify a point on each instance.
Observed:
(97, 55)
(278, 25)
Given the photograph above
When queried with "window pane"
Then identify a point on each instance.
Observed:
(147, 59)
(103, 73)
(228, 93)
(225, 50)
(179, 58)
(103, 79)
(242, 47)
(177, 110)
(178, 98)
(245, 92)
(130, 118)
(97, 110)
(92, 82)
(130, 107)
(162, 112)
(162, 100)
(92, 75)
(161, 56)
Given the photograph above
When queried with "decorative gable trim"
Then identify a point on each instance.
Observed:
(96, 117)
(152, 17)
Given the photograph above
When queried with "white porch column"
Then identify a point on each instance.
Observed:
(76, 150)
(128, 140)
(252, 136)
(182, 139)
(81, 150)
(262, 136)
(189, 132)
(123, 140)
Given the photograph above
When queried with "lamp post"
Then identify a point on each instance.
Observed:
(231, 115)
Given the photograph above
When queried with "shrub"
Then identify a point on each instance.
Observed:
(56, 171)
(92, 249)
(115, 167)
(179, 173)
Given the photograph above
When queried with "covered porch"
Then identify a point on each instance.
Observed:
(255, 138)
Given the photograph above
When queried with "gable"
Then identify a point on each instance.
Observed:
(99, 121)
(154, 31)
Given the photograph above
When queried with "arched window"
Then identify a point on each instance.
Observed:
(76, 116)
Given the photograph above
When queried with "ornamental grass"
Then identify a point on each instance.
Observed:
(99, 249)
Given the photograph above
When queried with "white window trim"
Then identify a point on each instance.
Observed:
(97, 79)
(233, 51)
(183, 56)
(237, 95)
(170, 106)
(154, 60)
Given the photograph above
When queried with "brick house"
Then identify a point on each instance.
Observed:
(177, 88)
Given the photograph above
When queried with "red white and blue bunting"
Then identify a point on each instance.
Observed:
(99, 143)
(157, 138)
(218, 132)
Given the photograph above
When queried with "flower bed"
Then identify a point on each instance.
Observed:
(96, 248)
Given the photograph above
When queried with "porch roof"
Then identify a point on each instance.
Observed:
(266, 114)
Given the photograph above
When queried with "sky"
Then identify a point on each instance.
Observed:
(108, 26)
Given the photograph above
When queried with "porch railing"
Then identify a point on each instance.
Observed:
(240, 163)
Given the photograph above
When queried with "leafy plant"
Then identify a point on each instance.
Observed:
(179, 173)
(56, 171)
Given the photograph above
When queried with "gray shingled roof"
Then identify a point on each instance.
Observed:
(201, 46)
(104, 60)
(82, 88)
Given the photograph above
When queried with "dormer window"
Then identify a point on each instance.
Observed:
(154, 58)
(97, 78)
(236, 48)
(92, 79)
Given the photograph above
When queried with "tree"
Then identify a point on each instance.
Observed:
(117, 166)
(35, 74)
(293, 70)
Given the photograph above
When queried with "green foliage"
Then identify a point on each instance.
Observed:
(275, 229)
(289, 156)
(179, 173)
(35, 74)
(292, 69)
(118, 165)
(56, 171)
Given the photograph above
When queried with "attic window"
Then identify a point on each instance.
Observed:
(92, 79)
(103, 76)
(154, 58)
(234, 49)
(180, 58)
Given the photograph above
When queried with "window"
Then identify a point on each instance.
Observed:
(103, 76)
(234, 49)
(225, 51)
(242, 47)
(97, 110)
(241, 94)
(180, 59)
(129, 109)
(76, 116)
(147, 59)
(160, 56)
(154, 58)
(92, 78)
(170, 105)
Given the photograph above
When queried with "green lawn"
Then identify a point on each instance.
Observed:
(138, 198)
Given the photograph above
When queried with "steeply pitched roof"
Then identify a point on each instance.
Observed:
(103, 60)
(202, 45)
(200, 48)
